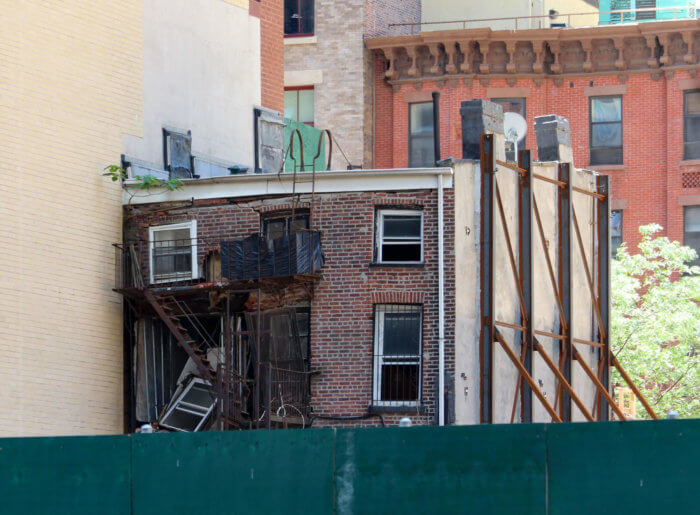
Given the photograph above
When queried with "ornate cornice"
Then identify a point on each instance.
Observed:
(482, 53)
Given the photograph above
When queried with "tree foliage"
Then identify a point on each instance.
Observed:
(655, 322)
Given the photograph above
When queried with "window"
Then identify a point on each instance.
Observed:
(277, 225)
(691, 124)
(397, 354)
(691, 230)
(606, 130)
(615, 232)
(177, 153)
(421, 149)
(399, 236)
(298, 17)
(173, 252)
(299, 104)
(646, 4)
(192, 404)
(517, 106)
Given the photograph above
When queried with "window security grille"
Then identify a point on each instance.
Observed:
(397, 355)
(399, 236)
(173, 252)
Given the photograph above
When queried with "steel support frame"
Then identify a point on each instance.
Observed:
(486, 159)
(565, 285)
(604, 255)
(526, 269)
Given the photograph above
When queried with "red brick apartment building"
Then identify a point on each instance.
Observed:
(630, 92)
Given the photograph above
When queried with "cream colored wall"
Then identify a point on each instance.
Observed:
(201, 72)
(70, 83)
(445, 10)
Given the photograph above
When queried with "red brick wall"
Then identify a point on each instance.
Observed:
(271, 13)
(651, 179)
(342, 307)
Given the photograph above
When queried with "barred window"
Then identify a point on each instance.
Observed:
(173, 252)
(399, 236)
(397, 354)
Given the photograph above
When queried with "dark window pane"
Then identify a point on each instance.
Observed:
(300, 222)
(400, 382)
(606, 109)
(291, 16)
(396, 226)
(606, 156)
(306, 15)
(692, 129)
(692, 150)
(615, 231)
(691, 229)
(421, 148)
(276, 229)
(606, 135)
(401, 334)
(401, 253)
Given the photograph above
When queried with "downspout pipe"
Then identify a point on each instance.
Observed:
(441, 302)
(436, 125)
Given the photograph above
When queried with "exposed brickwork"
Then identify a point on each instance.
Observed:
(271, 14)
(651, 179)
(342, 308)
(379, 14)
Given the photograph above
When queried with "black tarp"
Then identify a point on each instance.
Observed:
(292, 254)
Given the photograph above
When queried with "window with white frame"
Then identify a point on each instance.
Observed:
(173, 252)
(399, 236)
(397, 354)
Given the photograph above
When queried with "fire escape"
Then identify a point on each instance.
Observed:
(204, 352)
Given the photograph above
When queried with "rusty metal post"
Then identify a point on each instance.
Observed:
(603, 187)
(228, 362)
(487, 301)
(565, 286)
(526, 273)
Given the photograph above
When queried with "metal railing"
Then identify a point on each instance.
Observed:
(617, 16)
(189, 262)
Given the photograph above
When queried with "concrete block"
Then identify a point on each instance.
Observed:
(551, 131)
(479, 117)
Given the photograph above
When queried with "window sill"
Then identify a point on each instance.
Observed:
(300, 40)
(374, 264)
(407, 408)
(689, 162)
(609, 168)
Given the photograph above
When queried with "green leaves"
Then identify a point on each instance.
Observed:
(655, 322)
(144, 182)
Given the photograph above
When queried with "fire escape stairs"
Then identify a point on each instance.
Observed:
(166, 312)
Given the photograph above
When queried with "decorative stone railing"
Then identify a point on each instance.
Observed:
(656, 47)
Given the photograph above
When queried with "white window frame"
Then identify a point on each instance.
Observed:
(192, 226)
(379, 311)
(180, 405)
(381, 213)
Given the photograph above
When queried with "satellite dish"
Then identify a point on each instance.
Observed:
(515, 128)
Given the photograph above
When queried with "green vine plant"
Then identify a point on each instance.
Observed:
(143, 182)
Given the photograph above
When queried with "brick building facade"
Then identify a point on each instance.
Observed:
(652, 69)
(329, 72)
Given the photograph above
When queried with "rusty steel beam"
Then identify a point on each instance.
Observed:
(487, 279)
(511, 166)
(526, 269)
(184, 343)
(634, 388)
(543, 178)
(528, 378)
(603, 227)
(565, 279)
(562, 380)
(589, 193)
(604, 393)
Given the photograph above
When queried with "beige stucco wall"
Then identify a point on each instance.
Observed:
(467, 289)
(201, 72)
(70, 77)
(449, 10)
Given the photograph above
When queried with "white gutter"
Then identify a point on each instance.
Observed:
(441, 303)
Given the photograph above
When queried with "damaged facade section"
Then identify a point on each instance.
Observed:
(362, 297)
